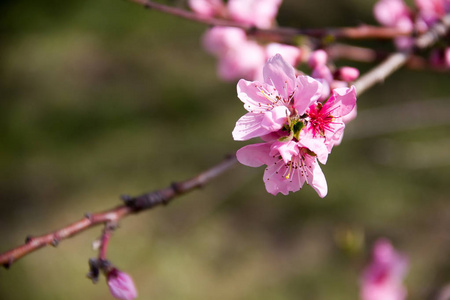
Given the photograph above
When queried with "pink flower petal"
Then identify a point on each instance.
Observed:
(254, 155)
(249, 126)
(308, 91)
(281, 75)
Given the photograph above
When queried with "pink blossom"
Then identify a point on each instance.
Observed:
(121, 285)
(326, 120)
(219, 40)
(238, 57)
(290, 54)
(260, 13)
(278, 101)
(348, 73)
(393, 13)
(289, 166)
(430, 11)
(207, 8)
(245, 61)
(382, 279)
(318, 58)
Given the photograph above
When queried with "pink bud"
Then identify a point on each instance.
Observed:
(322, 72)
(121, 285)
(348, 73)
(317, 58)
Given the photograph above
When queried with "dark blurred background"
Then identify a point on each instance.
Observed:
(102, 98)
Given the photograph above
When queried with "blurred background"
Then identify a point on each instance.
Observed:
(103, 98)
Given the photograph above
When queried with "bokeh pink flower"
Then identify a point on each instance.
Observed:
(383, 278)
(238, 55)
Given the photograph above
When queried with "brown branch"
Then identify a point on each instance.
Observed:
(398, 59)
(132, 205)
(281, 33)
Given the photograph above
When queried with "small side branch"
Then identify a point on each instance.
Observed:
(111, 216)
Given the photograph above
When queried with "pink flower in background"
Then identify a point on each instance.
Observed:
(289, 53)
(383, 278)
(273, 103)
(289, 166)
(220, 40)
(207, 8)
(121, 285)
(260, 13)
(393, 13)
(238, 55)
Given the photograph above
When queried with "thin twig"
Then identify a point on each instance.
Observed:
(360, 32)
(132, 205)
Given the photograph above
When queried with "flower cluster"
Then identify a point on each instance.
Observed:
(395, 13)
(238, 55)
(299, 129)
(382, 279)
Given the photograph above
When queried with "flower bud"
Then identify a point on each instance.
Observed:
(121, 285)
(317, 58)
(348, 73)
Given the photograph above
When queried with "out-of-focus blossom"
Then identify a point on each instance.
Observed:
(290, 54)
(317, 58)
(383, 278)
(238, 55)
(207, 8)
(347, 73)
(220, 40)
(260, 13)
(121, 285)
(393, 13)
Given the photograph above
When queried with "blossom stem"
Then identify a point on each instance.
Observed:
(132, 205)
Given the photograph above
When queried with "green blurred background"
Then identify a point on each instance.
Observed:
(102, 98)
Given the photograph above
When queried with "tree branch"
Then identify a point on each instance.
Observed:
(360, 32)
(398, 59)
(132, 205)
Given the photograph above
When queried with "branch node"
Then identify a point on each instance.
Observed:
(55, 242)
(126, 199)
(9, 263)
(177, 188)
(94, 270)
(28, 239)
